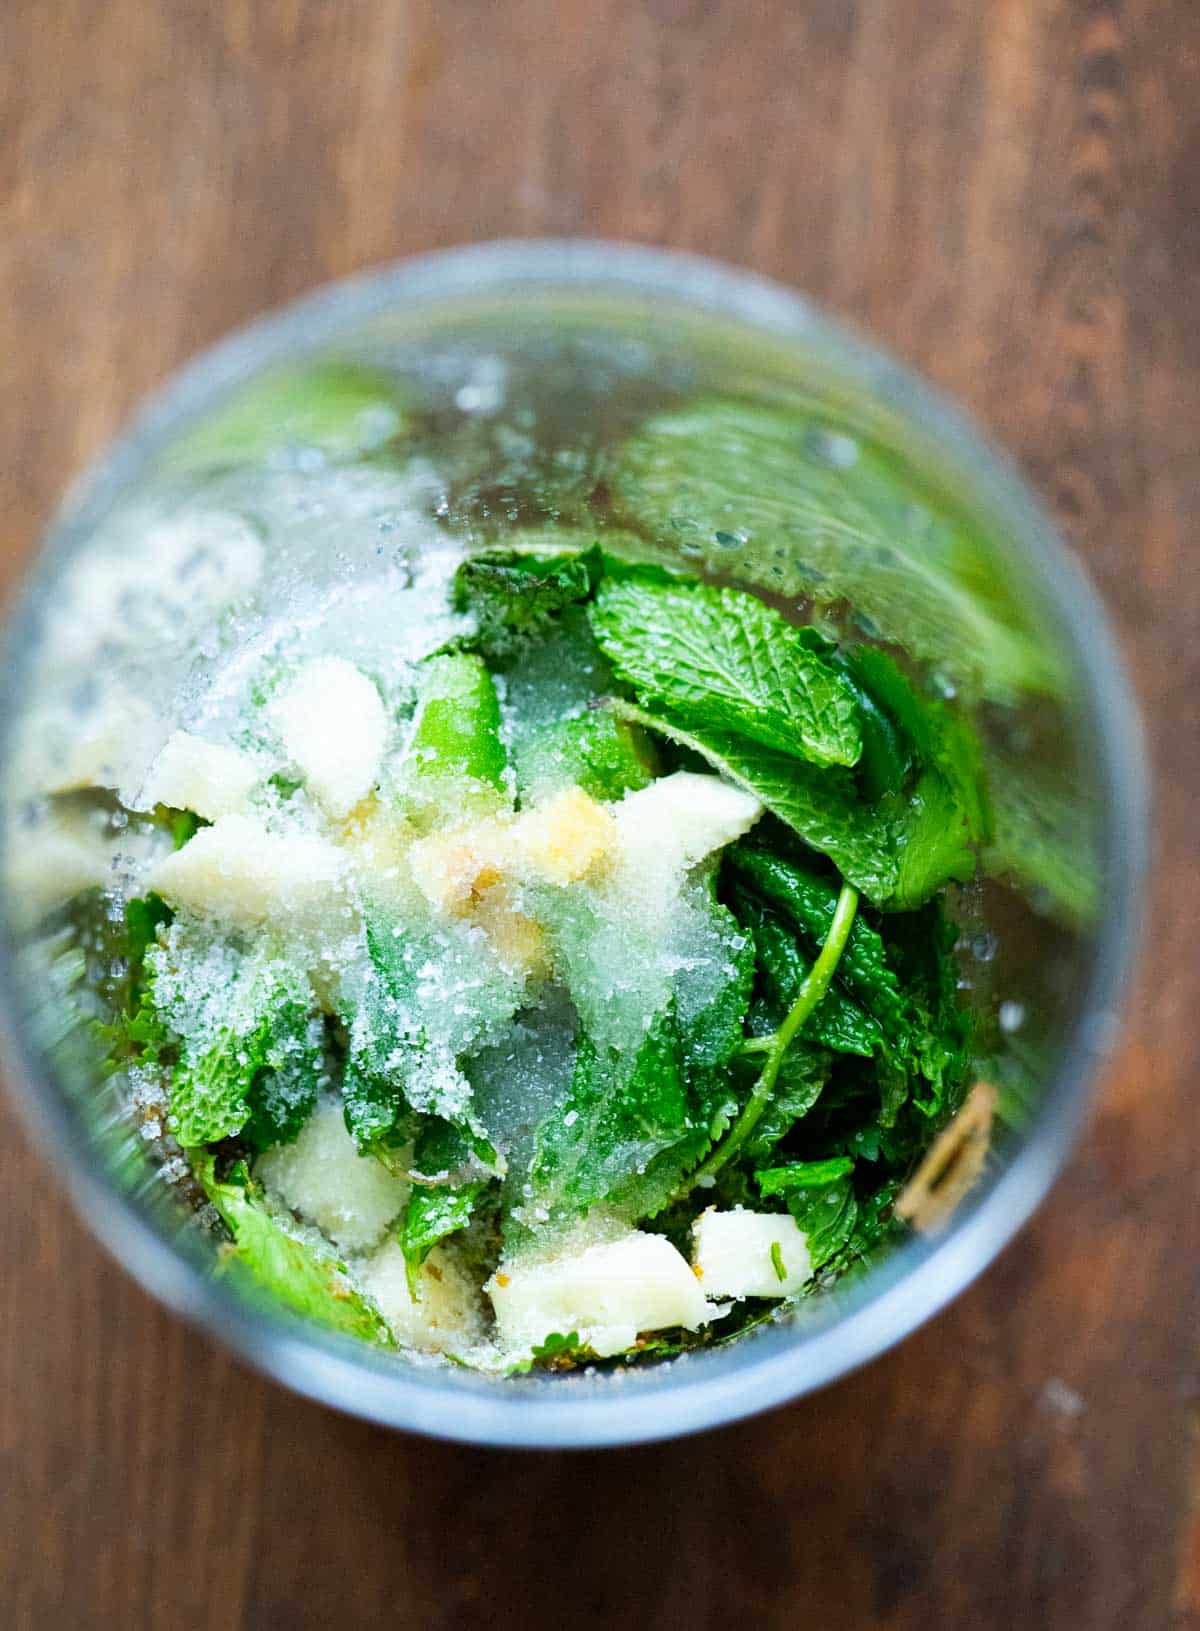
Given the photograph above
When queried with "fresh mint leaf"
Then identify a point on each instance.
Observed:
(406, 1040)
(892, 1075)
(557, 1347)
(933, 844)
(905, 977)
(904, 985)
(887, 755)
(262, 1080)
(838, 518)
(875, 1225)
(145, 1032)
(721, 660)
(897, 852)
(941, 819)
(807, 1175)
(185, 824)
(814, 988)
(712, 1104)
(286, 786)
(826, 1213)
(431, 1215)
(301, 1272)
(135, 1031)
(556, 1351)
(884, 1111)
(516, 594)
(145, 916)
(447, 1152)
(377, 1115)
(644, 1108)
(550, 686)
(711, 1024)
(283, 1092)
(935, 1038)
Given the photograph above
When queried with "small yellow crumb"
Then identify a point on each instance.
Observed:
(502, 1279)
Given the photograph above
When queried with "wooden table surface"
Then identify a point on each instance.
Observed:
(1007, 193)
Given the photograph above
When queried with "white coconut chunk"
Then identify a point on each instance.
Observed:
(352, 1198)
(208, 778)
(446, 1315)
(240, 873)
(608, 1292)
(334, 729)
(733, 1254)
(677, 821)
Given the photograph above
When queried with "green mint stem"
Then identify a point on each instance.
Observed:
(816, 984)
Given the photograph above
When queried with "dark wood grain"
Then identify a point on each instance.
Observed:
(1007, 192)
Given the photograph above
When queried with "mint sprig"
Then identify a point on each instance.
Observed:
(811, 992)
